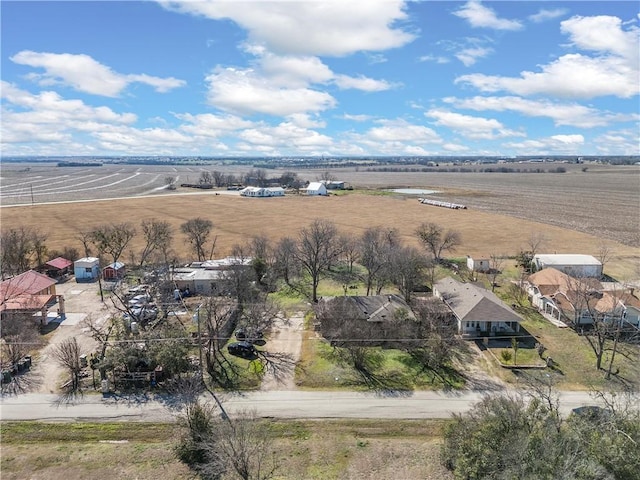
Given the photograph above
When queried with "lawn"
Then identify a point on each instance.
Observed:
(331, 449)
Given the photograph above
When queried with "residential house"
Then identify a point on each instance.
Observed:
(29, 293)
(205, 278)
(478, 311)
(577, 301)
(316, 188)
(262, 192)
(114, 271)
(86, 269)
(572, 264)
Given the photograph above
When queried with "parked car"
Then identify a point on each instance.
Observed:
(141, 314)
(248, 335)
(140, 300)
(243, 350)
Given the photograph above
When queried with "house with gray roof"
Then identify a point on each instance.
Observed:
(478, 311)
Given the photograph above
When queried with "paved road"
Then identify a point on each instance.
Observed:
(278, 404)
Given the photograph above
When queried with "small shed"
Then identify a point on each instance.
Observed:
(478, 264)
(316, 188)
(58, 267)
(114, 271)
(86, 269)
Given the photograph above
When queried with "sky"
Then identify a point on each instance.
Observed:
(320, 78)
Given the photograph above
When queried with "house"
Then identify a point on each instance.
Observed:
(114, 271)
(478, 264)
(334, 184)
(478, 311)
(29, 293)
(316, 188)
(204, 278)
(86, 269)
(262, 192)
(577, 300)
(572, 264)
(372, 308)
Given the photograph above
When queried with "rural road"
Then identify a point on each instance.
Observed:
(279, 404)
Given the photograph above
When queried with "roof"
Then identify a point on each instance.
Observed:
(374, 308)
(59, 263)
(87, 260)
(196, 274)
(29, 283)
(549, 280)
(315, 186)
(26, 303)
(115, 265)
(470, 302)
(566, 259)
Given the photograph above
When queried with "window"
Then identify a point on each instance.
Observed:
(88, 270)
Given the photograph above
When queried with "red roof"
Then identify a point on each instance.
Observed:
(26, 303)
(60, 263)
(29, 283)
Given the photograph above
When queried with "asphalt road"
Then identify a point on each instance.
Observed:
(277, 404)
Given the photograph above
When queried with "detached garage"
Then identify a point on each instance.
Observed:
(86, 269)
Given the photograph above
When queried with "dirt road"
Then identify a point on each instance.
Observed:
(286, 338)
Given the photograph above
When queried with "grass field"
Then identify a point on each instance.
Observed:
(331, 449)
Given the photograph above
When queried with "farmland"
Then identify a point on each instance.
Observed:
(575, 210)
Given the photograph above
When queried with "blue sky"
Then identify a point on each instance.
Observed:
(358, 77)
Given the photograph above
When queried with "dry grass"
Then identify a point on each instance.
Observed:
(236, 219)
(331, 449)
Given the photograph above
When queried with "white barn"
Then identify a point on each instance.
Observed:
(478, 264)
(575, 265)
(316, 188)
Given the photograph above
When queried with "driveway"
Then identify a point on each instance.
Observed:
(285, 338)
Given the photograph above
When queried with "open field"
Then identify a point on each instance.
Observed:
(331, 449)
(236, 219)
(604, 201)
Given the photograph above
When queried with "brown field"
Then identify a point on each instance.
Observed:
(330, 449)
(576, 210)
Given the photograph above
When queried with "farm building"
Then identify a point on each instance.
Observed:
(334, 184)
(114, 271)
(478, 311)
(262, 192)
(199, 281)
(86, 269)
(29, 293)
(478, 264)
(57, 268)
(572, 264)
(316, 188)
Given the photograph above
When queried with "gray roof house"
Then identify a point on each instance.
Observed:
(479, 312)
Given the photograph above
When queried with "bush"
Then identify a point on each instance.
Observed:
(506, 356)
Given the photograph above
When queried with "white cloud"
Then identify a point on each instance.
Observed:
(286, 136)
(357, 118)
(294, 71)
(244, 91)
(310, 27)
(563, 114)
(614, 142)
(613, 71)
(469, 56)
(209, 125)
(483, 17)
(433, 58)
(554, 145)
(544, 14)
(362, 83)
(402, 131)
(472, 127)
(85, 74)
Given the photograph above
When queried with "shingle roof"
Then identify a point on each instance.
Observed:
(470, 302)
(374, 308)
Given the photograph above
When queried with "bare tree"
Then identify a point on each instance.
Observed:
(496, 263)
(84, 236)
(205, 178)
(376, 249)
(218, 178)
(113, 239)
(326, 177)
(605, 252)
(17, 249)
(535, 242)
(67, 353)
(197, 231)
(407, 270)
(284, 263)
(158, 235)
(350, 248)
(317, 250)
(437, 240)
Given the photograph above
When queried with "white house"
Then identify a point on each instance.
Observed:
(262, 192)
(478, 311)
(478, 264)
(316, 188)
(572, 264)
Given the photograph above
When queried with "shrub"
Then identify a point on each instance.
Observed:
(506, 356)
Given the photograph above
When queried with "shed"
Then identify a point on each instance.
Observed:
(86, 269)
(114, 271)
(316, 188)
(478, 264)
(58, 267)
(575, 265)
